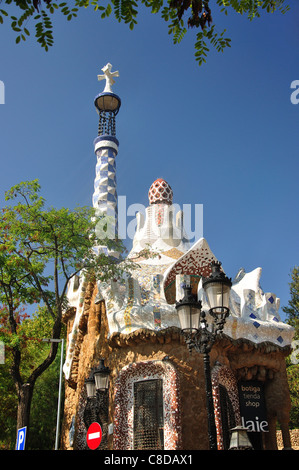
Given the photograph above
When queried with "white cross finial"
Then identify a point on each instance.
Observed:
(108, 76)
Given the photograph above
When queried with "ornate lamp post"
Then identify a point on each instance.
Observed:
(196, 330)
(97, 385)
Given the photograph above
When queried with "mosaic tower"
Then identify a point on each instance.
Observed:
(106, 144)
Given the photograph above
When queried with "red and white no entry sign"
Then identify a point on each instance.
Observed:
(94, 436)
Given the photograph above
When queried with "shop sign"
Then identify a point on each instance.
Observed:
(253, 406)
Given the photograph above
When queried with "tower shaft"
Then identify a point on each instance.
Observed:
(106, 149)
(105, 185)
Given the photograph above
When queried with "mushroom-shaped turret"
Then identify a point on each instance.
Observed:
(160, 192)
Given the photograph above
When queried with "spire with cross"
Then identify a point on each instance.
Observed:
(108, 76)
(107, 104)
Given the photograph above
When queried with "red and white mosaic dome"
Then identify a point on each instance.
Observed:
(160, 192)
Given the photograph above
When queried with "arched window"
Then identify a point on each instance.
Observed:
(226, 403)
(228, 419)
(146, 413)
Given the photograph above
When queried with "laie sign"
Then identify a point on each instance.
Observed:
(252, 406)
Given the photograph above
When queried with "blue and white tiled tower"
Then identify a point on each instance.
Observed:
(106, 144)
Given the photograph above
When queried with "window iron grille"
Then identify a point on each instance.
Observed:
(148, 415)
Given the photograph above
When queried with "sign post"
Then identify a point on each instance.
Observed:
(21, 437)
(94, 436)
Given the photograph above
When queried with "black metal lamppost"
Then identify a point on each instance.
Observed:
(97, 385)
(196, 330)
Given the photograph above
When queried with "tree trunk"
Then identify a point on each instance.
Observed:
(25, 390)
(25, 393)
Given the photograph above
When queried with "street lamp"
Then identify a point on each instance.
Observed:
(198, 336)
(98, 380)
(97, 385)
(90, 386)
(217, 288)
(239, 439)
(189, 309)
(101, 376)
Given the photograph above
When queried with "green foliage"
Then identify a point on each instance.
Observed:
(8, 408)
(292, 310)
(27, 338)
(177, 13)
(33, 238)
(292, 313)
(293, 381)
(44, 403)
(44, 408)
(41, 249)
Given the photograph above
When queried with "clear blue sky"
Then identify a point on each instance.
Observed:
(224, 135)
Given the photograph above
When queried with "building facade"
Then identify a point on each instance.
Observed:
(157, 394)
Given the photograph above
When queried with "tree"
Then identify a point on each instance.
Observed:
(8, 408)
(293, 381)
(292, 313)
(43, 413)
(177, 13)
(292, 310)
(40, 251)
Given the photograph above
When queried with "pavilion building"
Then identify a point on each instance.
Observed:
(156, 396)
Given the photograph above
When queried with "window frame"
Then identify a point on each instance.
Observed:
(123, 437)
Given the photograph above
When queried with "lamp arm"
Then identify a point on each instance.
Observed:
(203, 339)
(220, 322)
